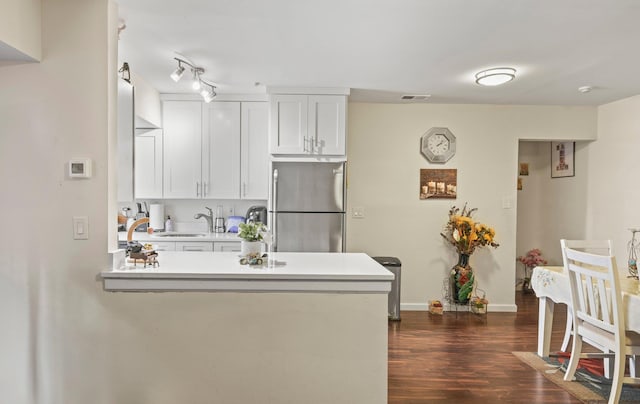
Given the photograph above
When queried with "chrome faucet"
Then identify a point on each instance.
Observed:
(208, 217)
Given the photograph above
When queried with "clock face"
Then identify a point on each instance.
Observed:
(438, 145)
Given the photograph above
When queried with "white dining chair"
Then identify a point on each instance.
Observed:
(600, 247)
(598, 315)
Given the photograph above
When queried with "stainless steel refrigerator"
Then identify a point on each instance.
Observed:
(307, 206)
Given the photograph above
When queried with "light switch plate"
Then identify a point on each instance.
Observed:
(80, 228)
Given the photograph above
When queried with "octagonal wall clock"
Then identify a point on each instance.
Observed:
(438, 145)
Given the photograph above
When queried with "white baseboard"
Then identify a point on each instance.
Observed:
(496, 308)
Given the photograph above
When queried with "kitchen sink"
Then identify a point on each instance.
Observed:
(164, 235)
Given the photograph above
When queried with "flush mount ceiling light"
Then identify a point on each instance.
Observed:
(207, 90)
(495, 76)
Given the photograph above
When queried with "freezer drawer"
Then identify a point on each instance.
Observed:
(309, 232)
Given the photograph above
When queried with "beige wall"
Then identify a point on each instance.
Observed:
(52, 306)
(383, 170)
(20, 27)
(613, 175)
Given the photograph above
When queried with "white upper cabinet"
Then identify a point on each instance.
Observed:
(215, 151)
(147, 102)
(254, 155)
(221, 150)
(148, 164)
(182, 173)
(308, 124)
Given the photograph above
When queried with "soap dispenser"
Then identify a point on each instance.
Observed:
(168, 225)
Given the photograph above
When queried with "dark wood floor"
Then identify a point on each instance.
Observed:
(466, 358)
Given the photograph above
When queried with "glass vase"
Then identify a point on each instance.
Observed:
(462, 280)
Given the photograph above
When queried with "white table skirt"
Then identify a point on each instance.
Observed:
(551, 285)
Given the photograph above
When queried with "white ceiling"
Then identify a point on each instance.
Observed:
(384, 48)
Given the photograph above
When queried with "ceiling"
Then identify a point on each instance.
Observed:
(382, 49)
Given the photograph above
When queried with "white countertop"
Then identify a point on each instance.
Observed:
(292, 272)
(157, 237)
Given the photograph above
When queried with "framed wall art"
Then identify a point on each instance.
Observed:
(562, 159)
(441, 184)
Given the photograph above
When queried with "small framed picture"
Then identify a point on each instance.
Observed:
(524, 168)
(519, 184)
(562, 159)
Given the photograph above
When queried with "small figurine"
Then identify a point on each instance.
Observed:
(253, 259)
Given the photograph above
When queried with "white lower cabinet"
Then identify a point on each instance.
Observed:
(164, 246)
(227, 247)
(194, 246)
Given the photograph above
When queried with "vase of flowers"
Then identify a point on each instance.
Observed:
(465, 234)
(252, 235)
(532, 259)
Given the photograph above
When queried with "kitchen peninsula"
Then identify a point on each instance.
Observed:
(311, 327)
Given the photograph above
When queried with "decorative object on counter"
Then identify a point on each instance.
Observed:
(168, 225)
(530, 260)
(465, 235)
(253, 259)
(435, 307)
(562, 159)
(142, 254)
(252, 236)
(633, 246)
(233, 223)
(134, 225)
(441, 184)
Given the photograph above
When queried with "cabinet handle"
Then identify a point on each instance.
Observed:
(197, 188)
(304, 147)
(244, 189)
(206, 189)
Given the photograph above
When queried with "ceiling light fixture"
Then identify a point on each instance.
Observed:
(495, 76)
(207, 90)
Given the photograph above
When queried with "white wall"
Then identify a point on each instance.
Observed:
(613, 174)
(550, 209)
(383, 177)
(20, 29)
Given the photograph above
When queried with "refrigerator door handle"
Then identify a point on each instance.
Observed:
(274, 205)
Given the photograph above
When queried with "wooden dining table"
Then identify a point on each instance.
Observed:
(551, 285)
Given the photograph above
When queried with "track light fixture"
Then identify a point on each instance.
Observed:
(206, 90)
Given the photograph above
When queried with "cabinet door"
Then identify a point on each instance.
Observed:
(254, 158)
(125, 141)
(327, 122)
(164, 246)
(226, 247)
(194, 246)
(148, 165)
(182, 122)
(221, 150)
(288, 129)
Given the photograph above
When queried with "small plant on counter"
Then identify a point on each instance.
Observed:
(252, 231)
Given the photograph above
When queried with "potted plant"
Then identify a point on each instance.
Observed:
(252, 235)
(532, 259)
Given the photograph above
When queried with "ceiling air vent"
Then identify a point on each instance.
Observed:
(415, 97)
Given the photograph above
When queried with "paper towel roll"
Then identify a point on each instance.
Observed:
(156, 216)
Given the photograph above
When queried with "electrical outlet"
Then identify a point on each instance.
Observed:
(358, 212)
(230, 211)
